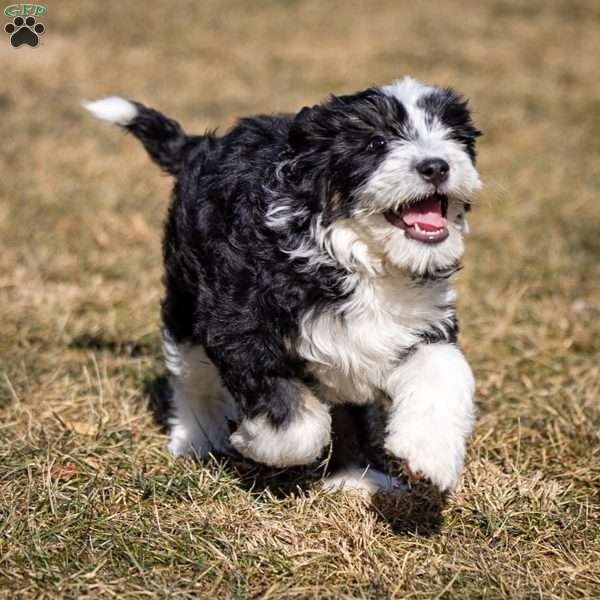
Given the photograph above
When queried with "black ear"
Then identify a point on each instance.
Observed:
(304, 127)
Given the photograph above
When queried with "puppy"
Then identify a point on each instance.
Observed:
(309, 262)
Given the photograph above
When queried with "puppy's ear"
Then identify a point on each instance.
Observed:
(305, 127)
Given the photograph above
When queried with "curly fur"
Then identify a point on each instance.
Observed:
(284, 275)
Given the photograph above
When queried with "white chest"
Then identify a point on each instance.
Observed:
(352, 349)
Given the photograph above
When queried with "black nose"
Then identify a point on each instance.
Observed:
(434, 170)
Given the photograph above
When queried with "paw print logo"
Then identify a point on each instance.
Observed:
(24, 31)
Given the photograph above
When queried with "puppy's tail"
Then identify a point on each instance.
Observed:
(162, 137)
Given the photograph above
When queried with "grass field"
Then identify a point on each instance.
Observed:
(91, 504)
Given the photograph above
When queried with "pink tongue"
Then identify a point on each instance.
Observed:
(427, 214)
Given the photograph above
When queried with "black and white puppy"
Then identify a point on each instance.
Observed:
(308, 261)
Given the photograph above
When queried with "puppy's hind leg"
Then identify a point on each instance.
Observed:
(200, 406)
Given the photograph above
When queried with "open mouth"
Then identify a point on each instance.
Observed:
(424, 221)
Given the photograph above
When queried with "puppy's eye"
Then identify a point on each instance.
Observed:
(377, 143)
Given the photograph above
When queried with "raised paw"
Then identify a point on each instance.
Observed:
(432, 413)
(429, 455)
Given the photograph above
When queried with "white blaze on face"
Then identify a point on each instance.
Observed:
(396, 180)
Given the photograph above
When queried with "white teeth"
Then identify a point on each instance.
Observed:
(418, 228)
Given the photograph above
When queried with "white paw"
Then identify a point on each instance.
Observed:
(365, 481)
(432, 413)
(433, 454)
(300, 442)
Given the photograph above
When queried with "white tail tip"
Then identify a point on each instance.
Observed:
(112, 109)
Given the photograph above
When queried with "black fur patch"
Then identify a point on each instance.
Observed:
(446, 333)
(230, 286)
(162, 137)
(453, 111)
(332, 141)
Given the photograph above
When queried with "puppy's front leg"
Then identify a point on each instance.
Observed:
(432, 412)
(288, 426)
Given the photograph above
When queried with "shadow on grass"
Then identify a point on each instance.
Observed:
(158, 391)
(416, 510)
(279, 483)
(99, 343)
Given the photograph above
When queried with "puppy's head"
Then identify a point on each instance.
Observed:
(394, 171)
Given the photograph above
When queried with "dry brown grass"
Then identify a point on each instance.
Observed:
(91, 504)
